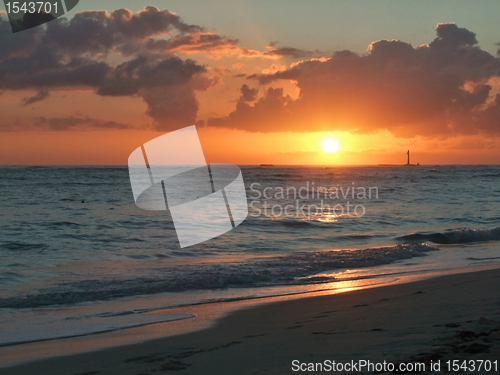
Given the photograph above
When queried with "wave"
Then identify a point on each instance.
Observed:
(22, 246)
(488, 175)
(290, 269)
(8, 277)
(457, 236)
(59, 224)
(20, 332)
(479, 259)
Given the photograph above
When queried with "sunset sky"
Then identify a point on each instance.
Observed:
(264, 81)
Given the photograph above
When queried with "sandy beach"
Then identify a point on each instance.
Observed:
(453, 317)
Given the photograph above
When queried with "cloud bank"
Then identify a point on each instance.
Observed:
(113, 54)
(439, 88)
(446, 87)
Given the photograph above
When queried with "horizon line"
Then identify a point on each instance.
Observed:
(259, 165)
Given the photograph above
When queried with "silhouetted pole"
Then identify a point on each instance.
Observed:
(408, 153)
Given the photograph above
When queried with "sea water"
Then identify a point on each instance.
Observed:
(78, 257)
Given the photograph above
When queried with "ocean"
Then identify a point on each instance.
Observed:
(78, 257)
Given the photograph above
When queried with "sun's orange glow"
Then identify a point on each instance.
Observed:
(108, 147)
(330, 146)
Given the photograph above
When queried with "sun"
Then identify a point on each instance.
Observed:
(330, 146)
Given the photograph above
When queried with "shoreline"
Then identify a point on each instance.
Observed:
(327, 322)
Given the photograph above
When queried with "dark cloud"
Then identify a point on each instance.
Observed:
(100, 31)
(291, 52)
(268, 114)
(20, 44)
(41, 95)
(142, 74)
(151, 21)
(76, 122)
(440, 88)
(196, 42)
(488, 119)
(450, 36)
(114, 54)
(168, 87)
(248, 94)
(171, 107)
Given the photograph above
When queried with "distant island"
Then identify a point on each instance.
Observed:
(267, 165)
